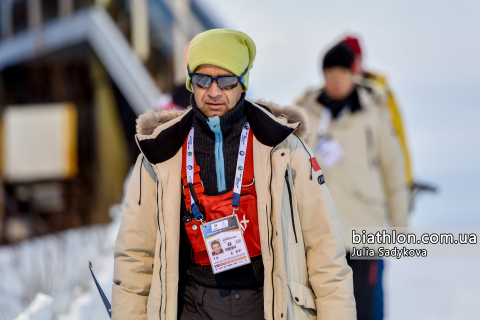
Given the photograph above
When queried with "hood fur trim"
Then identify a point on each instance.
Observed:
(151, 119)
(291, 114)
(147, 122)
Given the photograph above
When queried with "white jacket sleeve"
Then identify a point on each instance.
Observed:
(135, 247)
(393, 174)
(329, 274)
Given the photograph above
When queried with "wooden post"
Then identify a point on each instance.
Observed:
(181, 10)
(65, 8)
(34, 13)
(140, 28)
(6, 19)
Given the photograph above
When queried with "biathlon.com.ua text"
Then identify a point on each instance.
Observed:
(374, 243)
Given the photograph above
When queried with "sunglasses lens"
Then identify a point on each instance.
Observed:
(227, 83)
(224, 83)
(201, 81)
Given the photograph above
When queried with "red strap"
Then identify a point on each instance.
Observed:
(249, 173)
(209, 203)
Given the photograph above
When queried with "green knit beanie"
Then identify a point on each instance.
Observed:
(230, 49)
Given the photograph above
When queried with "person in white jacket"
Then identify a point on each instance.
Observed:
(361, 159)
(188, 176)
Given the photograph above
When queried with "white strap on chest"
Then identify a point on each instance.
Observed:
(324, 122)
(239, 170)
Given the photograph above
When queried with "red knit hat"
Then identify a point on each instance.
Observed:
(353, 44)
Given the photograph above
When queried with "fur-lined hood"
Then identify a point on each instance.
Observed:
(167, 131)
(150, 120)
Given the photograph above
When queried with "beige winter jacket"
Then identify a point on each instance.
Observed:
(306, 274)
(368, 185)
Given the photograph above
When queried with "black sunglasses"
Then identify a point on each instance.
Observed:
(204, 81)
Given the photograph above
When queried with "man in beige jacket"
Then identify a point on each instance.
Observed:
(299, 271)
(361, 159)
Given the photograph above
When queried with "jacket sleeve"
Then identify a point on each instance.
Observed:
(135, 247)
(392, 168)
(329, 274)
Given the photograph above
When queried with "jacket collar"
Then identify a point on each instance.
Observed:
(167, 138)
(366, 98)
(352, 102)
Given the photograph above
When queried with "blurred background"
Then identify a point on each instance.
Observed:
(75, 74)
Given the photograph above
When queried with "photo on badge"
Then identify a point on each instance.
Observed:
(216, 247)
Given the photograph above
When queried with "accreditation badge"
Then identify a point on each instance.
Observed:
(330, 152)
(225, 244)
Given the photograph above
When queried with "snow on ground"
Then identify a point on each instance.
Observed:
(56, 265)
(89, 305)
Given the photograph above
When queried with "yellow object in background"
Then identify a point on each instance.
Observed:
(71, 140)
(111, 145)
(379, 82)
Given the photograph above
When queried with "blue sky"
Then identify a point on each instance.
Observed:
(428, 49)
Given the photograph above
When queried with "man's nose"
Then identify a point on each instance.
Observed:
(214, 92)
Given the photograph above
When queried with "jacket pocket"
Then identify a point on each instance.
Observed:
(304, 299)
(247, 217)
(195, 236)
(290, 200)
(302, 295)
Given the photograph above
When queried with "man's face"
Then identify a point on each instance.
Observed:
(339, 82)
(213, 101)
(216, 248)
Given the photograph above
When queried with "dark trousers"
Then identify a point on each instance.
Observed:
(201, 302)
(367, 276)
(378, 304)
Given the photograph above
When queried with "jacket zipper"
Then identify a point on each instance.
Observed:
(271, 238)
(291, 204)
(160, 255)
